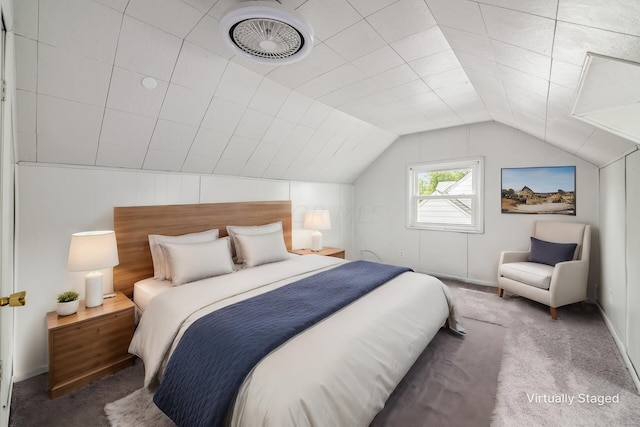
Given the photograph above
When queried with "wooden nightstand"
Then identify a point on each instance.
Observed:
(89, 344)
(334, 252)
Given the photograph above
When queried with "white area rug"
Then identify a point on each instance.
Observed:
(136, 410)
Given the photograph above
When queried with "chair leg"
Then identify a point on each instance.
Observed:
(500, 292)
(554, 313)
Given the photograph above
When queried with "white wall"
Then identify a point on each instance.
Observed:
(7, 160)
(56, 201)
(380, 203)
(619, 290)
(612, 288)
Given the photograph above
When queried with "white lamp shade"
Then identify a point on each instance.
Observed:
(92, 250)
(317, 220)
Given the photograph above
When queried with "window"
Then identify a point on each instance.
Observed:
(446, 195)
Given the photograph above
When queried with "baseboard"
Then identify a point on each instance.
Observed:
(27, 375)
(462, 279)
(621, 348)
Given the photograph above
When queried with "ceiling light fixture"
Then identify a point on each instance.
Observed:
(149, 82)
(266, 32)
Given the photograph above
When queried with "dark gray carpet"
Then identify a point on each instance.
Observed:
(453, 383)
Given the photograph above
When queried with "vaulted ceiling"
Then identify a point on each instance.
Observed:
(379, 69)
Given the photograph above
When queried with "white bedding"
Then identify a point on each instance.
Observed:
(144, 290)
(338, 372)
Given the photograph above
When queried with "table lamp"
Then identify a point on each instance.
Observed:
(317, 220)
(92, 251)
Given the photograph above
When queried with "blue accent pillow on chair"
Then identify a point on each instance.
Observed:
(550, 253)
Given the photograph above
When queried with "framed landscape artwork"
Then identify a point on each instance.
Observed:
(539, 190)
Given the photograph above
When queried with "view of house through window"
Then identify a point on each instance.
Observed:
(446, 196)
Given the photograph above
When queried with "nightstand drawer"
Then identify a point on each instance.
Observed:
(87, 346)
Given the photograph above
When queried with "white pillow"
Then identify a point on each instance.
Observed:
(160, 267)
(236, 230)
(194, 261)
(258, 249)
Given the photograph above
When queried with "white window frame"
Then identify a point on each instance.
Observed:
(476, 164)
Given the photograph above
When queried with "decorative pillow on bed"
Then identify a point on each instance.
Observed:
(161, 269)
(236, 230)
(551, 253)
(194, 261)
(258, 249)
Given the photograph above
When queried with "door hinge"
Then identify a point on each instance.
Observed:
(3, 95)
(0, 370)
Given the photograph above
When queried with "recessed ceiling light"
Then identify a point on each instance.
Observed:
(149, 82)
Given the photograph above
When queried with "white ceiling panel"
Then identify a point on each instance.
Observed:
(25, 18)
(253, 124)
(572, 42)
(356, 41)
(198, 68)
(436, 63)
(546, 8)
(169, 146)
(402, 19)
(265, 153)
(521, 59)
(205, 151)
(421, 44)
(184, 105)
(330, 16)
(378, 61)
(27, 63)
(27, 111)
(451, 77)
(119, 5)
(279, 131)
(223, 115)
(295, 107)
(206, 35)
(126, 93)
(269, 97)
(459, 14)
(565, 74)
(602, 14)
(146, 49)
(238, 84)
(173, 16)
(320, 60)
(83, 27)
(367, 7)
(464, 41)
(239, 148)
(378, 69)
(126, 129)
(66, 75)
(530, 32)
(67, 131)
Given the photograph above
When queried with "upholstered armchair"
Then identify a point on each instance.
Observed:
(554, 271)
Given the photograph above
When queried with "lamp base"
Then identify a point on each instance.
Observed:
(316, 241)
(93, 289)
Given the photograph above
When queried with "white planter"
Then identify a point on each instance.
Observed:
(67, 308)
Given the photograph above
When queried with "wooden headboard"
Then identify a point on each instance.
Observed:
(133, 225)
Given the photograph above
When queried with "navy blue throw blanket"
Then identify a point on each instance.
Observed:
(219, 350)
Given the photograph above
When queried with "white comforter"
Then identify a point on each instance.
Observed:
(337, 373)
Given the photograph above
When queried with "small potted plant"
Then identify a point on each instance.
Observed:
(67, 303)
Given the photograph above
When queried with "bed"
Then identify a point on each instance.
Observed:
(339, 371)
